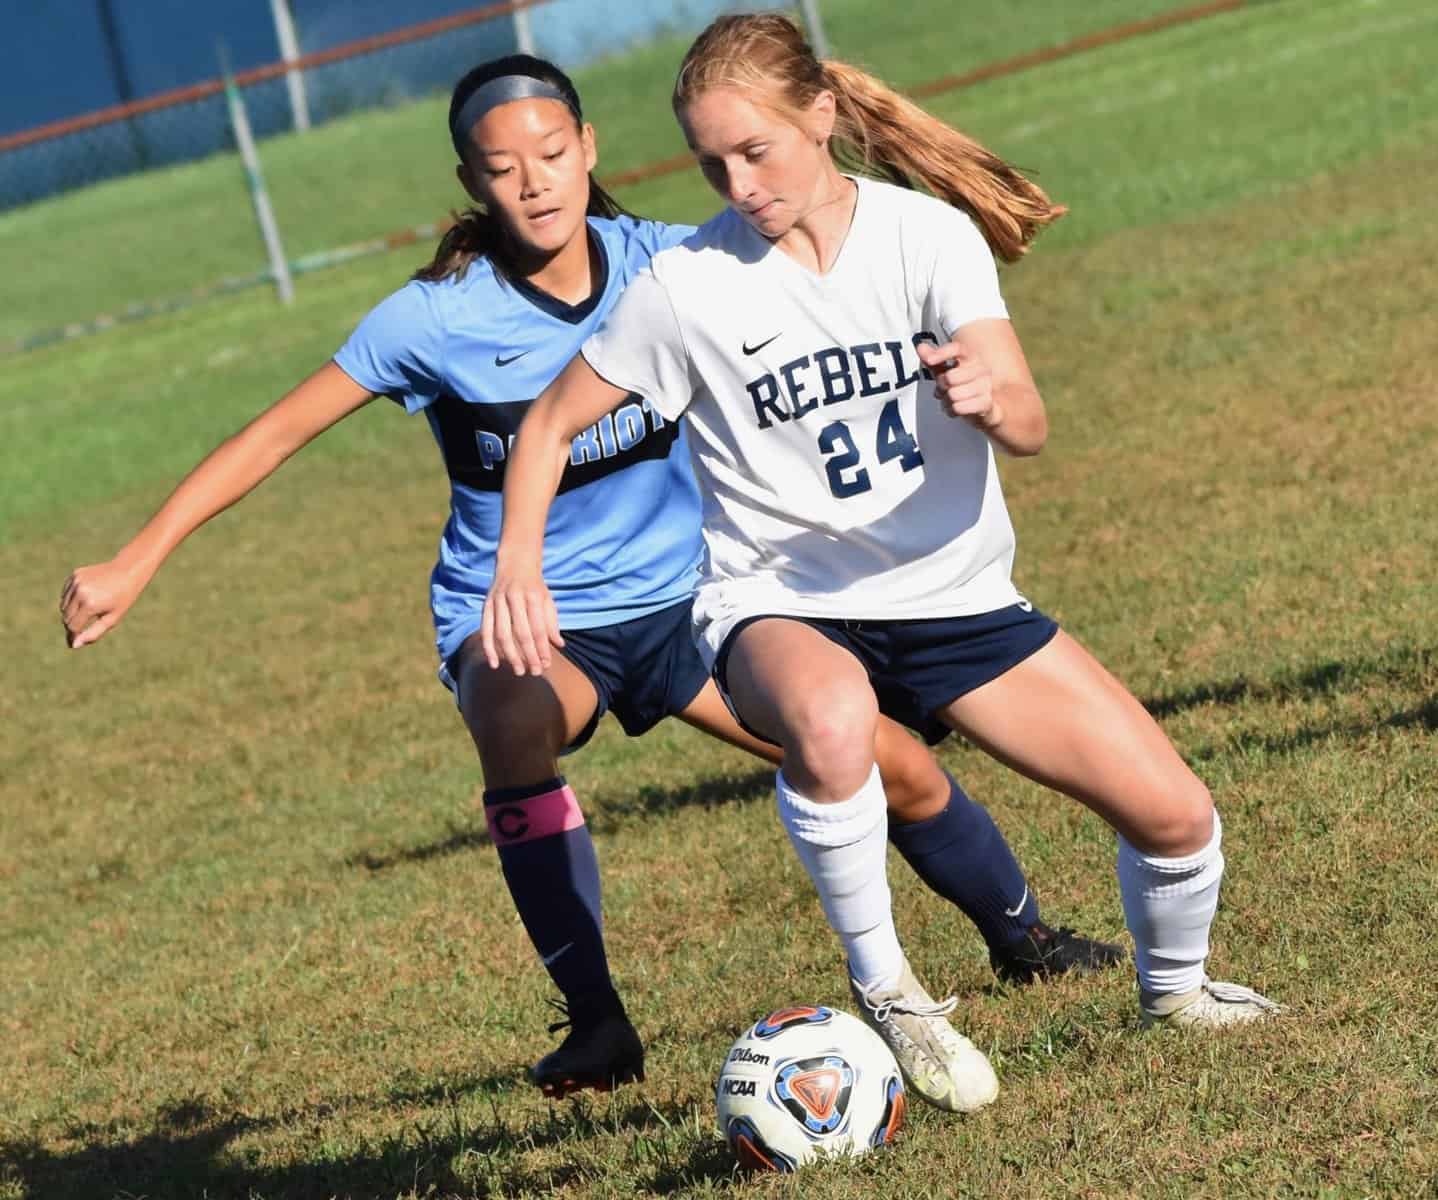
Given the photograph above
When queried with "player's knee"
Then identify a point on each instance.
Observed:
(833, 735)
(1183, 823)
(514, 738)
(914, 785)
(915, 794)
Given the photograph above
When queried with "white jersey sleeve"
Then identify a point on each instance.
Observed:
(640, 347)
(963, 282)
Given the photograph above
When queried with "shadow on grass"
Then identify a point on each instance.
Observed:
(457, 841)
(1400, 667)
(606, 810)
(1423, 716)
(614, 807)
(1399, 664)
(189, 1150)
(709, 1162)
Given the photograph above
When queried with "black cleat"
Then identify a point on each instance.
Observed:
(1046, 952)
(601, 1052)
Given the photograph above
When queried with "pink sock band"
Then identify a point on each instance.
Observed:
(537, 817)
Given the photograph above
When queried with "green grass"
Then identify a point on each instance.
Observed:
(257, 945)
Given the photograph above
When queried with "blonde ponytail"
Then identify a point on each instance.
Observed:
(876, 131)
(879, 132)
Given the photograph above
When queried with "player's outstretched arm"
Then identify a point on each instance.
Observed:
(96, 597)
(981, 376)
(520, 622)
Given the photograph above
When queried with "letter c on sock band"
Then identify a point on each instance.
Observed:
(539, 816)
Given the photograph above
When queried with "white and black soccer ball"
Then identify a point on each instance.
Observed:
(804, 1082)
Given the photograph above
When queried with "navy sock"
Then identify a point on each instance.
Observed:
(552, 871)
(962, 856)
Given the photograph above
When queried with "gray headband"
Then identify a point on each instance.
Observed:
(499, 91)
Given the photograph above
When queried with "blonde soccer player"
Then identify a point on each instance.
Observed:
(843, 358)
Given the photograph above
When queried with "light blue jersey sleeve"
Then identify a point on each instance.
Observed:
(645, 239)
(396, 351)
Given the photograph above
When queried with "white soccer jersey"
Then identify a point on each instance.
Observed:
(833, 484)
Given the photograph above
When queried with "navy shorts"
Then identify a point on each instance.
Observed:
(917, 668)
(642, 670)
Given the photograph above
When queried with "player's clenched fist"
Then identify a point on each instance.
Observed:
(963, 384)
(94, 599)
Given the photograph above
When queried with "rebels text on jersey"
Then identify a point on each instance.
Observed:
(833, 484)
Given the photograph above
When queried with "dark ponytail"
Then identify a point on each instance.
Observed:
(476, 233)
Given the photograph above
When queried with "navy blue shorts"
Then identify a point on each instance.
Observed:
(642, 670)
(917, 668)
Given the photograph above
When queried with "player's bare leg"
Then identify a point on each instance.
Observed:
(1061, 719)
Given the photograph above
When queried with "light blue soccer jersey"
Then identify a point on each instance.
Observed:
(623, 538)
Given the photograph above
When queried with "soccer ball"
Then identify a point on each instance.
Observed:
(804, 1082)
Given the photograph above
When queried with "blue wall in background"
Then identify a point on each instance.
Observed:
(68, 57)
(64, 58)
(573, 32)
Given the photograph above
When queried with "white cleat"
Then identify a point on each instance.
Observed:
(1212, 1005)
(938, 1063)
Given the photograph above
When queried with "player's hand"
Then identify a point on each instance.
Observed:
(94, 599)
(963, 384)
(520, 622)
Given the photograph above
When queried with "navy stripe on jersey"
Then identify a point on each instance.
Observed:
(468, 352)
(573, 314)
(476, 438)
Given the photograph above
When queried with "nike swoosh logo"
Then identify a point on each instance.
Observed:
(1008, 912)
(549, 958)
(504, 362)
(748, 349)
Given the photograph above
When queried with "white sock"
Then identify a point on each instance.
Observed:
(1169, 905)
(843, 848)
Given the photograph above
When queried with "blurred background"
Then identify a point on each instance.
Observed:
(100, 89)
(118, 149)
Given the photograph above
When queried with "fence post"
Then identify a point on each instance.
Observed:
(259, 197)
(120, 71)
(289, 51)
(523, 34)
(814, 24)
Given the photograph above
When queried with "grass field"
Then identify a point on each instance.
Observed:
(257, 944)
